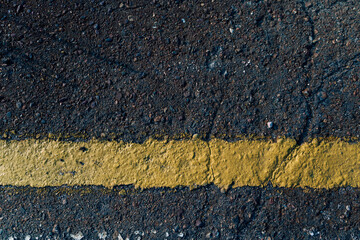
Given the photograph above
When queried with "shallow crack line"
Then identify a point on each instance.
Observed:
(216, 112)
(339, 72)
(133, 7)
(86, 51)
(309, 118)
(308, 66)
(209, 166)
(357, 55)
(212, 121)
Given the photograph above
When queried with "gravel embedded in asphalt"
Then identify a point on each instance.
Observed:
(174, 68)
(158, 213)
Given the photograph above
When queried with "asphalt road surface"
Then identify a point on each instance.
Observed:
(204, 213)
(133, 70)
(136, 69)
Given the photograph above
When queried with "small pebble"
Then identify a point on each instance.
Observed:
(108, 39)
(18, 104)
(199, 223)
(8, 114)
(77, 236)
(322, 96)
(55, 229)
(270, 124)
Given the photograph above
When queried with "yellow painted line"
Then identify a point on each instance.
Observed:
(155, 163)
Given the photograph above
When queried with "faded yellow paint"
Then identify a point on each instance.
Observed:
(246, 163)
(170, 163)
(317, 164)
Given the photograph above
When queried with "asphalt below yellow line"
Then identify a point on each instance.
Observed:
(170, 163)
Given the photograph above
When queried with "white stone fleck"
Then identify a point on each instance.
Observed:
(11, 238)
(102, 235)
(167, 234)
(231, 30)
(27, 237)
(137, 232)
(181, 235)
(77, 236)
(270, 124)
(153, 231)
(120, 237)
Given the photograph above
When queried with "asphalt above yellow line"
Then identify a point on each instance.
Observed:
(171, 163)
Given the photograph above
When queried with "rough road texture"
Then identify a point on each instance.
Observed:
(204, 213)
(146, 68)
(134, 69)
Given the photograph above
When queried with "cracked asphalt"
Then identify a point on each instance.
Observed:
(219, 69)
(131, 70)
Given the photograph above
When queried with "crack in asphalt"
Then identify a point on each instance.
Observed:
(212, 121)
(86, 51)
(339, 69)
(209, 166)
(308, 65)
